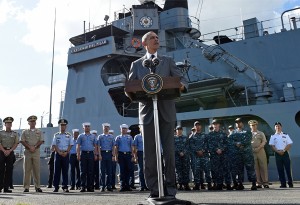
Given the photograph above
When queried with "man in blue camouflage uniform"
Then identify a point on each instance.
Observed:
(217, 146)
(62, 143)
(241, 155)
(182, 160)
(197, 144)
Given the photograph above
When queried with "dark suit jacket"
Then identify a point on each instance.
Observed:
(166, 108)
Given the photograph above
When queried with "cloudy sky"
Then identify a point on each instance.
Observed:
(26, 40)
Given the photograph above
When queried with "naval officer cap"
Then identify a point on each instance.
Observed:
(86, 124)
(75, 130)
(32, 118)
(178, 127)
(252, 122)
(238, 119)
(124, 126)
(105, 124)
(62, 122)
(94, 131)
(8, 119)
(215, 121)
(277, 123)
(197, 123)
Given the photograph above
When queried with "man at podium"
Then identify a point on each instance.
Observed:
(165, 67)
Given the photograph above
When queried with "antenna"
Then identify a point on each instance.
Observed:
(50, 109)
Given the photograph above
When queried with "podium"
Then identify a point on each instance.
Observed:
(153, 87)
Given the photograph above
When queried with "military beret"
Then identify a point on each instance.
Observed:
(94, 131)
(124, 126)
(215, 121)
(277, 123)
(32, 118)
(86, 124)
(238, 119)
(178, 127)
(105, 124)
(75, 130)
(252, 122)
(8, 119)
(62, 122)
(197, 123)
(230, 127)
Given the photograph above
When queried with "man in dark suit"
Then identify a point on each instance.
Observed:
(167, 118)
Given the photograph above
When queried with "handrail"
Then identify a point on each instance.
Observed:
(284, 13)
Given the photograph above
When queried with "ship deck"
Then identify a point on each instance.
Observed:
(274, 195)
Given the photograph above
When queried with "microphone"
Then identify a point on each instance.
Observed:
(147, 63)
(155, 62)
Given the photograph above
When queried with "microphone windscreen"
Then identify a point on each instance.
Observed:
(155, 61)
(147, 63)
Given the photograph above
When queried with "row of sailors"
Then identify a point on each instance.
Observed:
(90, 149)
(221, 158)
(86, 149)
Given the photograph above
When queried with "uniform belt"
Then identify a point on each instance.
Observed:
(125, 152)
(6, 148)
(105, 150)
(63, 150)
(87, 152)
(281, 150)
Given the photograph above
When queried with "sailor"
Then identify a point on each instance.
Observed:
(240, 139)
(281, 144)
(96, 180)
(62, 143)
(106, 143)
(8, 142)
(74, 163)
(138, 149)
(182, 159)
(199, 157)
(114, 166)
(230, 129)
(124, 151)
(260, 158)
(217, 146)
(32, 139)
(51, 167)
(86, 154)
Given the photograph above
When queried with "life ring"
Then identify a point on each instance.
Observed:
(135, 42)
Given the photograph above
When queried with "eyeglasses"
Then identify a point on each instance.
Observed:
(86, 126)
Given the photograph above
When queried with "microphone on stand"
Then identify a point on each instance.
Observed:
(155, 62)
(151, 64)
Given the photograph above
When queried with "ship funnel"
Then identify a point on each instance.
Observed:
(170, 4)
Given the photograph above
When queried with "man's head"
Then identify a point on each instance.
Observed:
(278, 127)
(106, 127)
(124, 129)
(86, 127)
(178, 130)
(8, 122)
(216, 124)
(239, 123)
(197, 126)
(75, 133)
(151, 42)
(62, 124)
(32, 121)
(253, 125)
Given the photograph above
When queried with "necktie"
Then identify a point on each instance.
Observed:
(152, 67)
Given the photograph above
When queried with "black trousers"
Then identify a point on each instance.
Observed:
(6, 169)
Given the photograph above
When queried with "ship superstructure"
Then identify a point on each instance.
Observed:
(254, 75)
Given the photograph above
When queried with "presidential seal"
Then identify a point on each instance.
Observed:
(152, 83)
(146, 21)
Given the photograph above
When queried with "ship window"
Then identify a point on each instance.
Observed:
(80, 100)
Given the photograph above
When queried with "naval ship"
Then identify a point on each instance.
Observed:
(252, 75)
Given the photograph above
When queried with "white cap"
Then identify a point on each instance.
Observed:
(105, 124)
(86, 124)
(94, 131)
(128, 131)
(111, 131)
(124, 126)
(75, 130)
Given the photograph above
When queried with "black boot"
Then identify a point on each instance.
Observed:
(196, 187)
(253, 186)
(187, 187)
(180, 187)
(228, 187)
(209, 186)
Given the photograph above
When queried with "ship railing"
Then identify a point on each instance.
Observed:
(238, 33)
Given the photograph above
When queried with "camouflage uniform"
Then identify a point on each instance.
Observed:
(241, 156)
(199, 164)
(219, 167)
(182, 163)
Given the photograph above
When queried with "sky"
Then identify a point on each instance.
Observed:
(27, 34)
